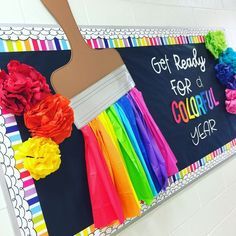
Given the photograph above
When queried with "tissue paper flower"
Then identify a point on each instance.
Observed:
(229, 57)
(215, 42)
(230, 94)
(225, 74)
(232, 83)
(41, 156)
(230, 106)
(51, 118)
(21, 88)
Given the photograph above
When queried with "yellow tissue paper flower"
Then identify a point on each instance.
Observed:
(41, 156)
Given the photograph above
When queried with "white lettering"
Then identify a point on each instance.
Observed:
(159, 65)
(181, 87)
(195, 61)
(203, 130)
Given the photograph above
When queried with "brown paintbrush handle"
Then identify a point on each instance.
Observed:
(61, 11)
(86, 66)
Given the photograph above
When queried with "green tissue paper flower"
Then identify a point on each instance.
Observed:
(215, 42)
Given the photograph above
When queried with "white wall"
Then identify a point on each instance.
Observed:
(207, 207)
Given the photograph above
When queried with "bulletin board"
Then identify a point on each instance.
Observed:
(157, 58)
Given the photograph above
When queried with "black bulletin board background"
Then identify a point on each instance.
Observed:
(158, 95)
(64, 196)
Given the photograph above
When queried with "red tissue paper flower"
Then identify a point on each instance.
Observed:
(21, 88)
(51, 118)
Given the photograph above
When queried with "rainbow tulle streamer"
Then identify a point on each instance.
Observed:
(127, 158)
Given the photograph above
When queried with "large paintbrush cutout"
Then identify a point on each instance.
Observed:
(86, 66)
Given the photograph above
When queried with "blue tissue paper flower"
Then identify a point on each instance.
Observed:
(232, 83)
(224, 73)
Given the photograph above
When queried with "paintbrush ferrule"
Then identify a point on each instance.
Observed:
(97, 98)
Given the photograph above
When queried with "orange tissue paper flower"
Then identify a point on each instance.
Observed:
(51, 118)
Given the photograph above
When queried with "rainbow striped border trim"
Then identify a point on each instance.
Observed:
(30, 194)
(202, 162)
(60, 43)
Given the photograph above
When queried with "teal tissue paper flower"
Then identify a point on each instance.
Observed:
(229, 57)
